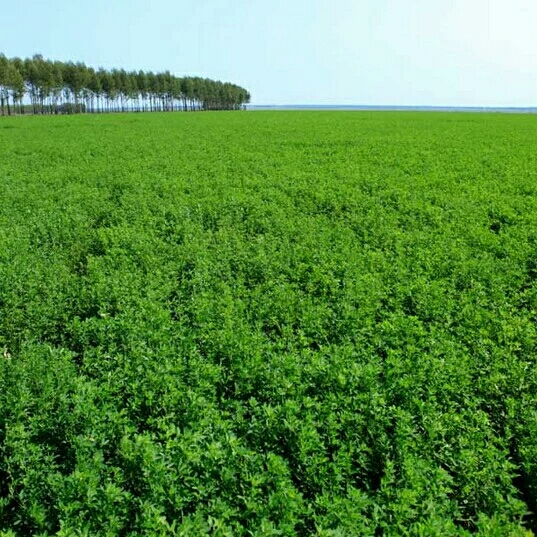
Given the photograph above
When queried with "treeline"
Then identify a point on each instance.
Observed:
(53, 87)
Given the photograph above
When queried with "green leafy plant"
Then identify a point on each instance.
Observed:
(268, 323)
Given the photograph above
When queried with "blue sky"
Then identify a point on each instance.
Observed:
(372, 52)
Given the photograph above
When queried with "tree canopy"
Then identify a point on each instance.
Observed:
(53, 87)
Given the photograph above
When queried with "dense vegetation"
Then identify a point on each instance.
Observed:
(310, 323)
(54, 87)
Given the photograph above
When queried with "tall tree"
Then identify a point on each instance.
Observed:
(4, 91)
(93, 90)
(108, 85)
(57, 85)
(72, 87)
(142, 85)
(15, 84)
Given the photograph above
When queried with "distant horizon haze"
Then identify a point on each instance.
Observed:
(380, 107)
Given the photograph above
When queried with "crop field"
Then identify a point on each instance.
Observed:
(268, 323)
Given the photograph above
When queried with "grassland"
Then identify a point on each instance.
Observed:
(301, 323)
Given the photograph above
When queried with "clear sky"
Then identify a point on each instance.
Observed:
(372, 52)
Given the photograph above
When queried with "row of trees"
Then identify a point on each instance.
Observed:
(51, 87)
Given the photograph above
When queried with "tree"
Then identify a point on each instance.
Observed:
(74, 87)
(31, 81)
(133, 91)
(93, 90)
(142, 85)
(44, 81)
(108, 86)
(15, 84)
(57, 85)
(75, 80)
(4, 91)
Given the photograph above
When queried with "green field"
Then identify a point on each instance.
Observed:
(268, 323)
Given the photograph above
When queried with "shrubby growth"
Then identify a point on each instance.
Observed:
(54, 87)
(262, 324)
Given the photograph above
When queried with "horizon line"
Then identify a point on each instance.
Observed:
(396, 106)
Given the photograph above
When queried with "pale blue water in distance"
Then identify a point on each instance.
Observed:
(513, 110)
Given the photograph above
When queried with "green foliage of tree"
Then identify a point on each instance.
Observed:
(4, 83)
(54, 87)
